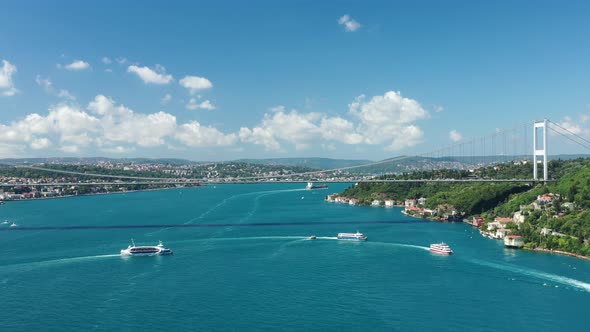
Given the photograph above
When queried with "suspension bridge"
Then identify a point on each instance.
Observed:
(521, 144)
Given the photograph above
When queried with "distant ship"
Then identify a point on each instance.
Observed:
(313, 237)
(441, 248)
(13, 224)
(5, 222)
(132, 250)
(352, 236)
(310, 186)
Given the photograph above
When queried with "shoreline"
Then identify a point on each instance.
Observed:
(559, 252)
(93, 194)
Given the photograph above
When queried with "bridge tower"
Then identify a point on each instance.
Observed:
(542, 125)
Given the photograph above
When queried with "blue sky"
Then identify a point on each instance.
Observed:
(228, 79)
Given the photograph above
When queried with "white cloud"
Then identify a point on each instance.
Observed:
(6, 85)
(106, 60)
(455, 136)
(166, 99)
(65, 94)
(118, 149)
(121, 124)
(77, 65)
(349, 23)
(151, 76)
(194, 104)
(438, 108)
(195, 83)
(573, 126)
(70, 149)
(47, 85)
(194, 134)
(121, 60)
(40, 143)
(386, 120)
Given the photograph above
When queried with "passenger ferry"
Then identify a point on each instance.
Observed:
(310, 186)
(352, 236)
(132, 250)
(441, 248)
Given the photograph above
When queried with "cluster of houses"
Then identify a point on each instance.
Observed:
(412, 207)
(43, 193)
(497, 229)
(336, 198)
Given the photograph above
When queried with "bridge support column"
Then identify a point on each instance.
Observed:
(540, 151)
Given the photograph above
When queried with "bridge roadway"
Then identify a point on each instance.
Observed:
(203, 183)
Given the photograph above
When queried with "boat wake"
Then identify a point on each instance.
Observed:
(226, 200)
(25, 267)
(404, 245)
(535, 274)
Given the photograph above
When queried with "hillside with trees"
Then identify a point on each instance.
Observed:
(559, 223)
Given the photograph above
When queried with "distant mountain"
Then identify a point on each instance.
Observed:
(318, 163)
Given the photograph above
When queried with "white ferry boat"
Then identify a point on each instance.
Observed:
(133, 250)
(311, 186)
(352, 236)
(441, 248)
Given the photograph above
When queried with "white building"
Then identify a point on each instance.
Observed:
(513, 241)
(518, 217)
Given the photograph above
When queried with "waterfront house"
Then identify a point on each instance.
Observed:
(477, 221)
(410, 202)
(429, 212)
(502, 232)
(421, 201)
(389, 203)
(513, 241)
(376, 202)
(353, 201)
(494, 225)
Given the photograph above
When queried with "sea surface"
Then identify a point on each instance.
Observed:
(231, 272)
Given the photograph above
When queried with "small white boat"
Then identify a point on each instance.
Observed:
(441, 248)
(313, 237)
(134, 250)
(13, 224)
(5, 222)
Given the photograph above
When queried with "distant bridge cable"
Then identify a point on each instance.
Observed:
(569, 131)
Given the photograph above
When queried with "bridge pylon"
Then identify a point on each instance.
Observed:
(537, 151)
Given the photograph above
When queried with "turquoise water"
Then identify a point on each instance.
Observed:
(270, 277)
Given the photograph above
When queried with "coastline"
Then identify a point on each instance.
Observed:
(559, 252)
(92, 194)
